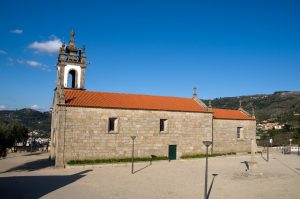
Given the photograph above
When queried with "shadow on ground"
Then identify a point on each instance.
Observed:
(211, 184)
(35, 186)
(287, 166)
(20, 154)
(265, 159)
(140, 169)
(31, 154)
(32, 166)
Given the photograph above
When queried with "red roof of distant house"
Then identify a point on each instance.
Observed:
(230, 114)
(81, 98)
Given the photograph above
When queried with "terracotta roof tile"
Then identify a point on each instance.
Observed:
(230, 114)
(82, 98)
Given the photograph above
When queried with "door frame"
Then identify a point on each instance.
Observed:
(172, 152)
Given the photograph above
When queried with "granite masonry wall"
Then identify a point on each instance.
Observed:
(86, 134)
(225, 135)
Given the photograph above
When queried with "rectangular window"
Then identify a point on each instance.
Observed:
(163, 125)
(112, 124)
(239, 133)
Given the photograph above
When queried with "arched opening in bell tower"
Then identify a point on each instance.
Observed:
(72, 79)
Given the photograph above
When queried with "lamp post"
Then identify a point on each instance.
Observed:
(207, 144)
(268, 148)
(290, 151)
(132, 156)
(31, 141)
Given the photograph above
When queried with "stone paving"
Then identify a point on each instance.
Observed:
(25, 175)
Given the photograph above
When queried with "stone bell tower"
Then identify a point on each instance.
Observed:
(71, 65)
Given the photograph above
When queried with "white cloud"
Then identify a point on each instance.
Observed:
(50, 46)
(35, 107)
(2, 107)
(17, 31)
(38, 108)
(2, 52)
(33, 63)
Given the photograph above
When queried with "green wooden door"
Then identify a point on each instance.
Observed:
(172, 152)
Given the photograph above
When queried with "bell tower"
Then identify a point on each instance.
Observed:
(71, 65)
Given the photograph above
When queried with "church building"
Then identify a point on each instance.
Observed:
(99, 125)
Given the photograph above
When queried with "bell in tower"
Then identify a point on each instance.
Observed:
(71, 65)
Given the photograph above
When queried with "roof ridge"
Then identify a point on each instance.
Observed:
(147, 95)
(226, 109)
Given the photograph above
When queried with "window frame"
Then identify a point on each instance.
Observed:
(113, 122)
(240, 133)
(163, 125)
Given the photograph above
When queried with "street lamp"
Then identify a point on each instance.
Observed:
(132, 156)
(207, 144)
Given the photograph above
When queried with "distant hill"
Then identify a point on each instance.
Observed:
(282, 105)
(32, 119)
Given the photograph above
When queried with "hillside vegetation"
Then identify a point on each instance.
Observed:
(32, 119)
(281, 106)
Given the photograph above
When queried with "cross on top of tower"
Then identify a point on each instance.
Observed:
(72, 33)
(195, 91)
(71, 48)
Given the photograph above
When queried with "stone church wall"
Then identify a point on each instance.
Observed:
(87, 136)
(225, 135)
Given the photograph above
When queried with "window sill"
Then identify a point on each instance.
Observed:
(113, 132)
(163, 132)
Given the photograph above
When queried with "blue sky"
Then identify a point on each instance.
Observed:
(157, 47)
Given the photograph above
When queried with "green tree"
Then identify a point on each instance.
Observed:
(10, 134)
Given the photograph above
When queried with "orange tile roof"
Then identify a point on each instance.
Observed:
(81, 98)
(230, 114)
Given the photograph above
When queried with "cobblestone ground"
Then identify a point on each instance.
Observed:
(25, 175)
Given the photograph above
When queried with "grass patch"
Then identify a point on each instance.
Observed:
(203, 155)
(116, 160)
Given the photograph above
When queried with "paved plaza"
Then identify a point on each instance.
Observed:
(25, 175)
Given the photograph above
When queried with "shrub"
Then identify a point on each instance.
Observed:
(204, 155)
(116, 160)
